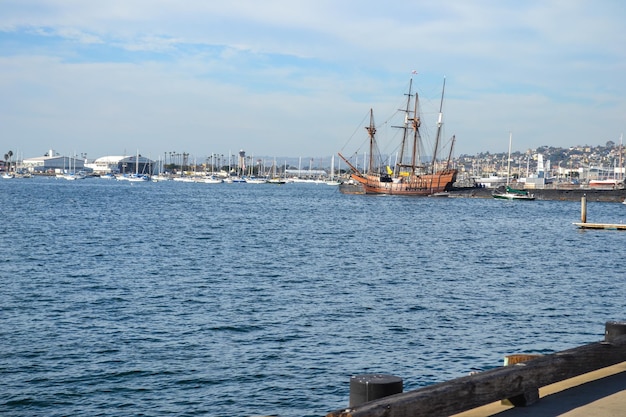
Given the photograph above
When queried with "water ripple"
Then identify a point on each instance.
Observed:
(176, 299)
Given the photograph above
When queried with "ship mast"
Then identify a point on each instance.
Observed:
(439, 124)
(621, 173)
(406, 111)
(508, 163)
(415, 157)
(371, 131)
(450, 153)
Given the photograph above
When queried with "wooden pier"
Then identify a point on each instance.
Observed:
(518, 383)
(583, 219)
(607, 226)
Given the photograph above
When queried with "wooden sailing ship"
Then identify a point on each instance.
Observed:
(409, 176)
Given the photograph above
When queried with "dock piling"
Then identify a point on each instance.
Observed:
(583, 209)
(530, 394)
(370, 387)
(614, 330)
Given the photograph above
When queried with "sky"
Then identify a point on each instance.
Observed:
(298, 78)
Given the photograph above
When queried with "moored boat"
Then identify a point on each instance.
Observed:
(607, 183)
(256, 180)
(212, 179)
(351, 187)
(71, 176)
(409, 176)
(160, 177)
(138, 178)
(510, 193)
(276, 180)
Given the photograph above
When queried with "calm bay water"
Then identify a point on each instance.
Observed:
(238, 300)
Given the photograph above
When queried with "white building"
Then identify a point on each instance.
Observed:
(122, 164)
(53, 162)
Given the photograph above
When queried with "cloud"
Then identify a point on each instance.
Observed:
(295, 77)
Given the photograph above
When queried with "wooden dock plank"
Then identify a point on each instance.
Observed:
(607, 226)
(465, 393)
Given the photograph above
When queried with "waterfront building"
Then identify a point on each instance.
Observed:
(121, 164)
(52, 161)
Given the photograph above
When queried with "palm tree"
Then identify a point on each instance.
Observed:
(7, 159)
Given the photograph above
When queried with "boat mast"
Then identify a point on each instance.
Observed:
(371, 131)
(621, 173)
(415, 156)
(508, 163)
(439, 124)
(450, 153)
(405, 128)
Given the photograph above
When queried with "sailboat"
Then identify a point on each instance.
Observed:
(332, 180)
(275, 179)
(510, 193)
(409, 176)
(136, 177)
(72, 175)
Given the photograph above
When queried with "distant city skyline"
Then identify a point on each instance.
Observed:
(308, 160)
(208, 77)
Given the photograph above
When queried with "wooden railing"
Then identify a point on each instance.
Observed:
(518, 383)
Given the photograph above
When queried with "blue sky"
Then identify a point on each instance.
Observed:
(297, 78)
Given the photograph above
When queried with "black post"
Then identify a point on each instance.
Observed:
(613, 330)
(370, 387)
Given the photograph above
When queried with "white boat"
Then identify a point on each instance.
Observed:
(71, 176)
(160, 178)
(256, 180)
(8, 175)
(509, 193)
(138, 178)
(212, 179)
(184, 179)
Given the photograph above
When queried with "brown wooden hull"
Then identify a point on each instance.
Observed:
(421, 185)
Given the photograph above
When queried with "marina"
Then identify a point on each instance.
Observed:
(258, 209)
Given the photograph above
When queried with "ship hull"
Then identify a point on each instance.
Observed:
(416, 185)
